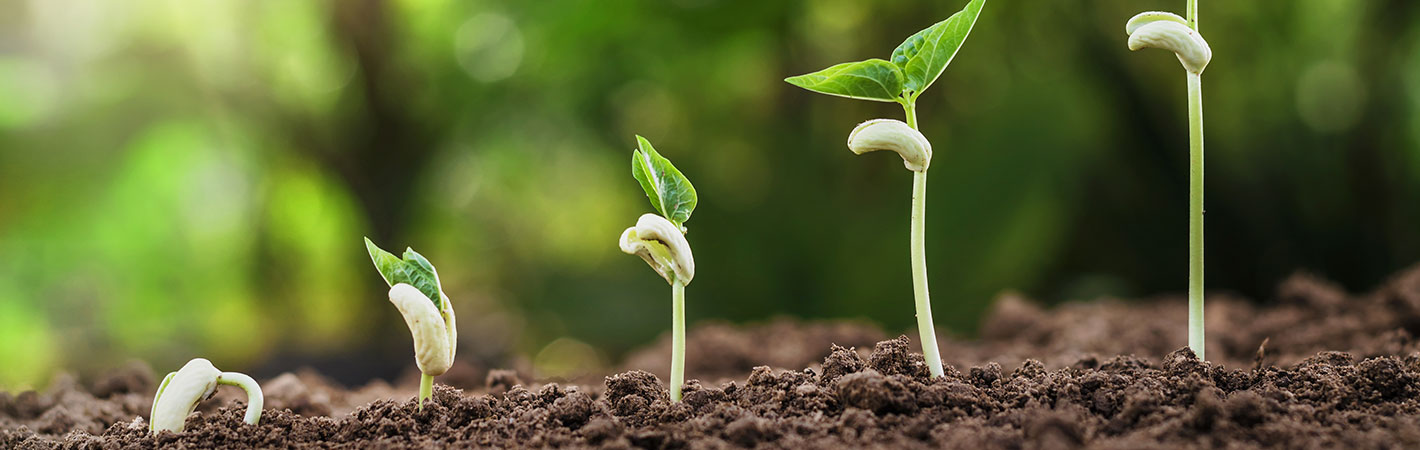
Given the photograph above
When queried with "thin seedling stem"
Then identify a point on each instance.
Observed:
(255, 400)
(677, 338)
(426, 388)
(1193, 14)
(1195, 212)
(919, 261)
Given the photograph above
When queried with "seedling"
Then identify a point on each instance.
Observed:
(914, 65)
(660, 240)
(1170, 32)
(180, 392)
(415, 291)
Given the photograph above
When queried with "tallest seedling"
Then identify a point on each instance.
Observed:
(914, 66)
(1170, 32)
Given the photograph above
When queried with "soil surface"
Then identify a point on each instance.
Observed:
(1104, 374)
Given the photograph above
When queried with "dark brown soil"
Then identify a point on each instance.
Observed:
(1070, 380)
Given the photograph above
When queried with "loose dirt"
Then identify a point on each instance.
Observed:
(1104, 374)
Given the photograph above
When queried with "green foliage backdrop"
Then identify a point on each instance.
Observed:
(181, 179)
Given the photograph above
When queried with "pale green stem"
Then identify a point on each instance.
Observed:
(1193, 14)
(911, 110)
(925, 328)
(1195, 202)
(254, 398)
(1195, 213)
(677, 338)
(426, 388)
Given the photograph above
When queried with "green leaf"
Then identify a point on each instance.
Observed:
(644, 177)
(669, 191)
(413, 270)
(423, 276)
(926, 54)
(873, 79)
(385, 262)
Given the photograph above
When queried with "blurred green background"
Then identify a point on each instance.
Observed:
(183, 179)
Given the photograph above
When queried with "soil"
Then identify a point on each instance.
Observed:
(1315, 368)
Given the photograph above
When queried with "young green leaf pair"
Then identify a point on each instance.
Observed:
(669, 191)
(913, 67)
(413, 270)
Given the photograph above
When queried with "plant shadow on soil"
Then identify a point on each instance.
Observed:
(1272, 381)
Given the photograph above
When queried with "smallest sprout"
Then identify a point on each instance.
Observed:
(180, 392)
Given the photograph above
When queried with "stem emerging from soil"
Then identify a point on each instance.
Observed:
(255, 400)
(1195, 201)
(677, 338)
(1195, 213)
(426, 388)
(919, 261)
